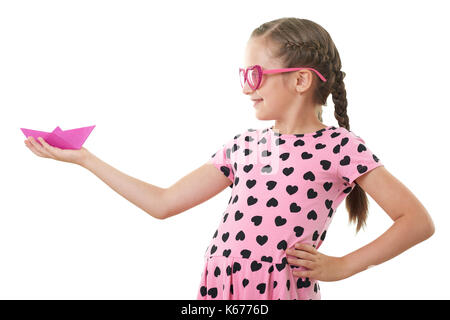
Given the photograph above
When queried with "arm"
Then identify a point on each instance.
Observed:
(193, 189)
(412, 223)
(144, 195)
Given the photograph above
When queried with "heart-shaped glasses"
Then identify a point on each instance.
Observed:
(253, 75)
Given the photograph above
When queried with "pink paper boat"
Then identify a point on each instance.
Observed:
(68, 139)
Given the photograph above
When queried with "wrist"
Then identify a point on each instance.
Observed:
(85, 159)
(348, 266)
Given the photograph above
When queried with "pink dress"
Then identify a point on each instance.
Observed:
(285, 189)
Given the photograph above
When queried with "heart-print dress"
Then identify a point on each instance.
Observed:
(285, 189)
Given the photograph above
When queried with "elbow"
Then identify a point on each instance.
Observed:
(423, 228)
(429, 229)
(425, 225)
(162, 216)
(159, 209)
(157, 215)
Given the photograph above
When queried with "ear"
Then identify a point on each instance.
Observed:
(303, 80)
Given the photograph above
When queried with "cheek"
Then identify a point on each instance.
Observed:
(268, 110)
(275, 98)
(273, 105)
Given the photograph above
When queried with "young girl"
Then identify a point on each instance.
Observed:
(287, 179)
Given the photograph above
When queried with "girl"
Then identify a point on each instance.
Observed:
(287, 180)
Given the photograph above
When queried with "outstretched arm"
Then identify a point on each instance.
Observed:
(161, 203)
(193, 189)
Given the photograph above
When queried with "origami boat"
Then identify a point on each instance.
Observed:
(63, 139)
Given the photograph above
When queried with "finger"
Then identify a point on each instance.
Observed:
(50, 149)
(306, 247)
(303, 274)
(32, 148)
(301, 254)
(301, 263)
(38, 148)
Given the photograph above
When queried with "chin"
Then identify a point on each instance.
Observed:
(262, 116)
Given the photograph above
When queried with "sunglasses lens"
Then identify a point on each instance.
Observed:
(242, 77)
(252, 77)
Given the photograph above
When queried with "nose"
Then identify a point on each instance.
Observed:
(246, 89)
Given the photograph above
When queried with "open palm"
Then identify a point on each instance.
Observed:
(44, 150)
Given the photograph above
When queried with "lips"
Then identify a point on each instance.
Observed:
(255, 102)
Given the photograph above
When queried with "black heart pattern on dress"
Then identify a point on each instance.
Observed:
(309, 176)
(272, 202)
(266, 153)
(311, 194)
(291, 189)
(294, 207)
(310, 171)
(288, 171)
(212, 292)
(261, 287)
(250, 183)
(312, 215)
(279, 221)
(240, 236)
(298, 231)
(271, 184)
(257, 220)
(255, 266)
(261, 240)
(251, 200)
(246, 253)
(325, 164)
(266, 169)
(282, 245)
(225, 236)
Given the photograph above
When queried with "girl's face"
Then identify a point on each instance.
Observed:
(272, 88)
(280, 91)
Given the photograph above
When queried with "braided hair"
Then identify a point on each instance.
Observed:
(302, 42)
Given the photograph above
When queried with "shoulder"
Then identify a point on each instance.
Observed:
(245, 133)
(348, 135)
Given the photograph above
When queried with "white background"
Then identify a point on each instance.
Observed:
(160, 82)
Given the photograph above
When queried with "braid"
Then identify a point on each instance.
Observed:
(339, 95)
(317, 52)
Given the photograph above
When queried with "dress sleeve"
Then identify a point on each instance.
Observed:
(355, 159)
(223, 159)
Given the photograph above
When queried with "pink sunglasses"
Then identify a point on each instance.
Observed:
(256, 72)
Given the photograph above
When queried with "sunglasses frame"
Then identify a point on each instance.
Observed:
(271, 71)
